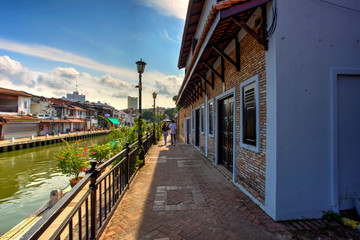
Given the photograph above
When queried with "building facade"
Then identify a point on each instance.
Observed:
(16, 120)
(132, 102)
(267, 95)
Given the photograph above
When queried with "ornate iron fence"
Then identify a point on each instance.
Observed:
(88, 207)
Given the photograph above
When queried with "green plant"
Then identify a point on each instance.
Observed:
(331, 216)
(72, 160)
(99, 152)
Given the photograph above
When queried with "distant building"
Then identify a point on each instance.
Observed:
(132, 102)
(75, 97)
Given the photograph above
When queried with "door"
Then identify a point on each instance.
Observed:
(188, 131)
(348, 116)
(197, 127)
(225, 154)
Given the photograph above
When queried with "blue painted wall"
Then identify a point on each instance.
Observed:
(311, 38)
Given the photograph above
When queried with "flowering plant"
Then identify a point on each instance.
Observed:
(72, 160)
(99, 152)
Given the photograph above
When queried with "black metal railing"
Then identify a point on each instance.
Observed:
(95, 198)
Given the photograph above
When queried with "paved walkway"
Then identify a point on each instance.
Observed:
(178, 194)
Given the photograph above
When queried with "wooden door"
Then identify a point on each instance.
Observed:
(197, 127)
(187, 131)
(225, 155)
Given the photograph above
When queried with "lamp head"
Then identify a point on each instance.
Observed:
(140, 66)
(154, 95)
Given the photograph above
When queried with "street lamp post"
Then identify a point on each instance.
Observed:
(154, 96)
(140, 69)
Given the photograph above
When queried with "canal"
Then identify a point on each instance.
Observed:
(27, 177)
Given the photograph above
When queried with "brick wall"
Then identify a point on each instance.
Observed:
(250, 166)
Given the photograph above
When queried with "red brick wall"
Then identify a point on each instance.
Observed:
(250, 166)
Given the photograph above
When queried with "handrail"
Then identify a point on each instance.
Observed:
(98, 203)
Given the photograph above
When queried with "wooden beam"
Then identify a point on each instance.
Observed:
(212, 70)
(213, 79)
(237, 52)
(206, 81)
(224, 55)
(205, 89)
(222, 69)
(225, 13)
(252, 33)
(200, 86)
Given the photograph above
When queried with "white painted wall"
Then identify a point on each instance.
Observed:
(21, 107)
(311, 38)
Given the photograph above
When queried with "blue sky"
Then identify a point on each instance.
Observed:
(46, 45)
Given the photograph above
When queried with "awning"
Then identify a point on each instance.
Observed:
(55, 121)
(114, 120)
(76, 120)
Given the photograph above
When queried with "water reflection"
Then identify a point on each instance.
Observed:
(27, 177)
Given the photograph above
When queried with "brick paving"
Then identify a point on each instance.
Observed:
(179, 194)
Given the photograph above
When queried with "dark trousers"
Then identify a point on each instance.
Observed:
(173, 136)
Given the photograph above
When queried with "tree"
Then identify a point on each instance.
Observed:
(148, 115)
(170, 112)
(175, 98)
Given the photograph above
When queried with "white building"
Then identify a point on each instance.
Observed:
(132, 102)
(271, 96)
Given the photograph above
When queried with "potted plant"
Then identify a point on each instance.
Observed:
(99, 152)
(71, 161)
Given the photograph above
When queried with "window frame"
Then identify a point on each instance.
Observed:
(192, 119)
(211, 134)
(202, 119)
(247, 84)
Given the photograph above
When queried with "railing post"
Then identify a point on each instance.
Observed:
(128, 163)
(93, 187)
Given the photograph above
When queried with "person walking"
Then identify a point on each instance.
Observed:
(172, 127)
(165, 129)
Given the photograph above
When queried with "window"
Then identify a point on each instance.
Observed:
(202, 113)
(211, 117)
(25, 104)
(193, 119)
(249, 115)
(249, 127)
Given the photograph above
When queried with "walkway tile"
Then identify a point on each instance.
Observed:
(179, 194)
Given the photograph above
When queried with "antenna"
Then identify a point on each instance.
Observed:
(76, 85)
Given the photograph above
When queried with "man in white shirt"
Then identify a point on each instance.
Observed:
(172, 127)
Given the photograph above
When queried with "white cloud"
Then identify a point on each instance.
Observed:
(59, 78)
(175, 8)
(54, 54)
(166, 35)
(13, 72)
(107, 88)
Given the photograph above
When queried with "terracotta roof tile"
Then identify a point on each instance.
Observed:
(13, 92)
(14, 118)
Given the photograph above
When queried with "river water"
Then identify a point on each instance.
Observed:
(27, 177)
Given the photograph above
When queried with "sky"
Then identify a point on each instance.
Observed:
(49, 47)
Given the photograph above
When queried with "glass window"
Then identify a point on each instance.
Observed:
(249, 115)
(211, 117)
(202, 118)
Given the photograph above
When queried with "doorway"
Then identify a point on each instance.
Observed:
(225, 126)
(348, 141)
(188, 130)
(197, 127)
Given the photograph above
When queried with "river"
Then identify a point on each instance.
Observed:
(27, 177)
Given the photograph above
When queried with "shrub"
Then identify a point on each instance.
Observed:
(72, 160)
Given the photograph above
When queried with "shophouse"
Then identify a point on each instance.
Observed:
(42, 108)
(68, 117)
(15, 115)
(270, 97)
